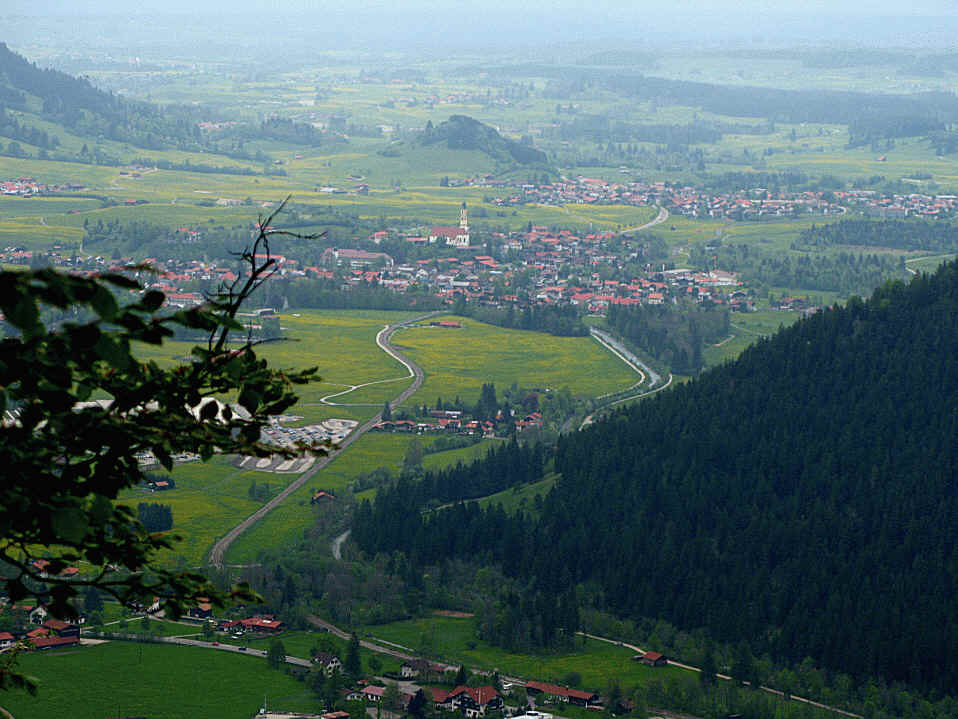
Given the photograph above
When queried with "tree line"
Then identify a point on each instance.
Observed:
(801, 498)
(673, 334)
(155, 517)
(909, 235)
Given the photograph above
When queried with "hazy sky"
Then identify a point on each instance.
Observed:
(616, 7)
(474, 24)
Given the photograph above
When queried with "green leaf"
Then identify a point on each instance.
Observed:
(100, 509)
(250, 399)
(120, 281)
(152, 300)
(104, 303)
(84, 336)
(70, 524)
(24, 314)
(113, 352)
(209, 411)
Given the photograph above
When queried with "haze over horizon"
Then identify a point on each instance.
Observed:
(435, 24)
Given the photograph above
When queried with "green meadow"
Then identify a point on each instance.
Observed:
(120, 679)
(288, 522)
(211, 497)
(458, 362)
(523, 497)
(746, 329)
(453, 639)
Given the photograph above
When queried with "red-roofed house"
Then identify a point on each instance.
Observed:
(471, 701)
(654, 659)
(373, 694)
(562, 694)
(55, 642)
(61, 628)
(259, 624)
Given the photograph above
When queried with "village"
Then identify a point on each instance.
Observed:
(538, 267)
(419, 683)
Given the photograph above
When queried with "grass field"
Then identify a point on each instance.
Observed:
(746, 329)
(299, 643)
(522, 497)
(287, 522)
(459, 361)
(212, 497)
(122, 679)
(453, 639)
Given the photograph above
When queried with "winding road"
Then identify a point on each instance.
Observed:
(218, 552)
(659, 219)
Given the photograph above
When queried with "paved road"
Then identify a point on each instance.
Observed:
(231, 648)
(659, 219)
(382, 340)
(397, 653)
(620, 351)
(770, 690)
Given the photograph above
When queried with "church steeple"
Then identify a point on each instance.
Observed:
(463, 220)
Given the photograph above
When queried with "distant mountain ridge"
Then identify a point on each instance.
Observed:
(461, 132)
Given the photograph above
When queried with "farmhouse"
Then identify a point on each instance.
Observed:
(471, 701)
(321, 496)
(60, 628)
(54, 642)
(654, 659)
(372, 694)
(203, 610)
(262, 624)
(562, 694)
(329, 662)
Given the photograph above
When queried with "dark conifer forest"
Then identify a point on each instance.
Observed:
(802, 497)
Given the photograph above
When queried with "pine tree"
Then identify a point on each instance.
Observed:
(353, 665)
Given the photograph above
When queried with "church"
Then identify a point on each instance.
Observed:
(451, 235)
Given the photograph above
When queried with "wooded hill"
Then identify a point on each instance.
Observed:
(75, 104)
(87, 111)
(460, 132)
(803, 498)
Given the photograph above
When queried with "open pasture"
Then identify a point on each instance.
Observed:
(287, 522)
(459, 361)
(453, 639)
(746, 329)
(154, 680)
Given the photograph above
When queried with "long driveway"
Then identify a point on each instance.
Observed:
(382, 340)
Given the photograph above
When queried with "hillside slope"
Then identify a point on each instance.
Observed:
(460, 132)
(803, 498)
(85, 110)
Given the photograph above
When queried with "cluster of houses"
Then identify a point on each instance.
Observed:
(898, 207)
(42, 631)
(454, 422)
(29, 187)
(746, 204)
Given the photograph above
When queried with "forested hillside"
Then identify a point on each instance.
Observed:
(85, 110)
(802, 498)
(463, 133)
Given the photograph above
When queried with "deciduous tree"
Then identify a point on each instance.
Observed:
(65, 458)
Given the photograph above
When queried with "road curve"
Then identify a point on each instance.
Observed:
(218, 552)
(659, 219)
